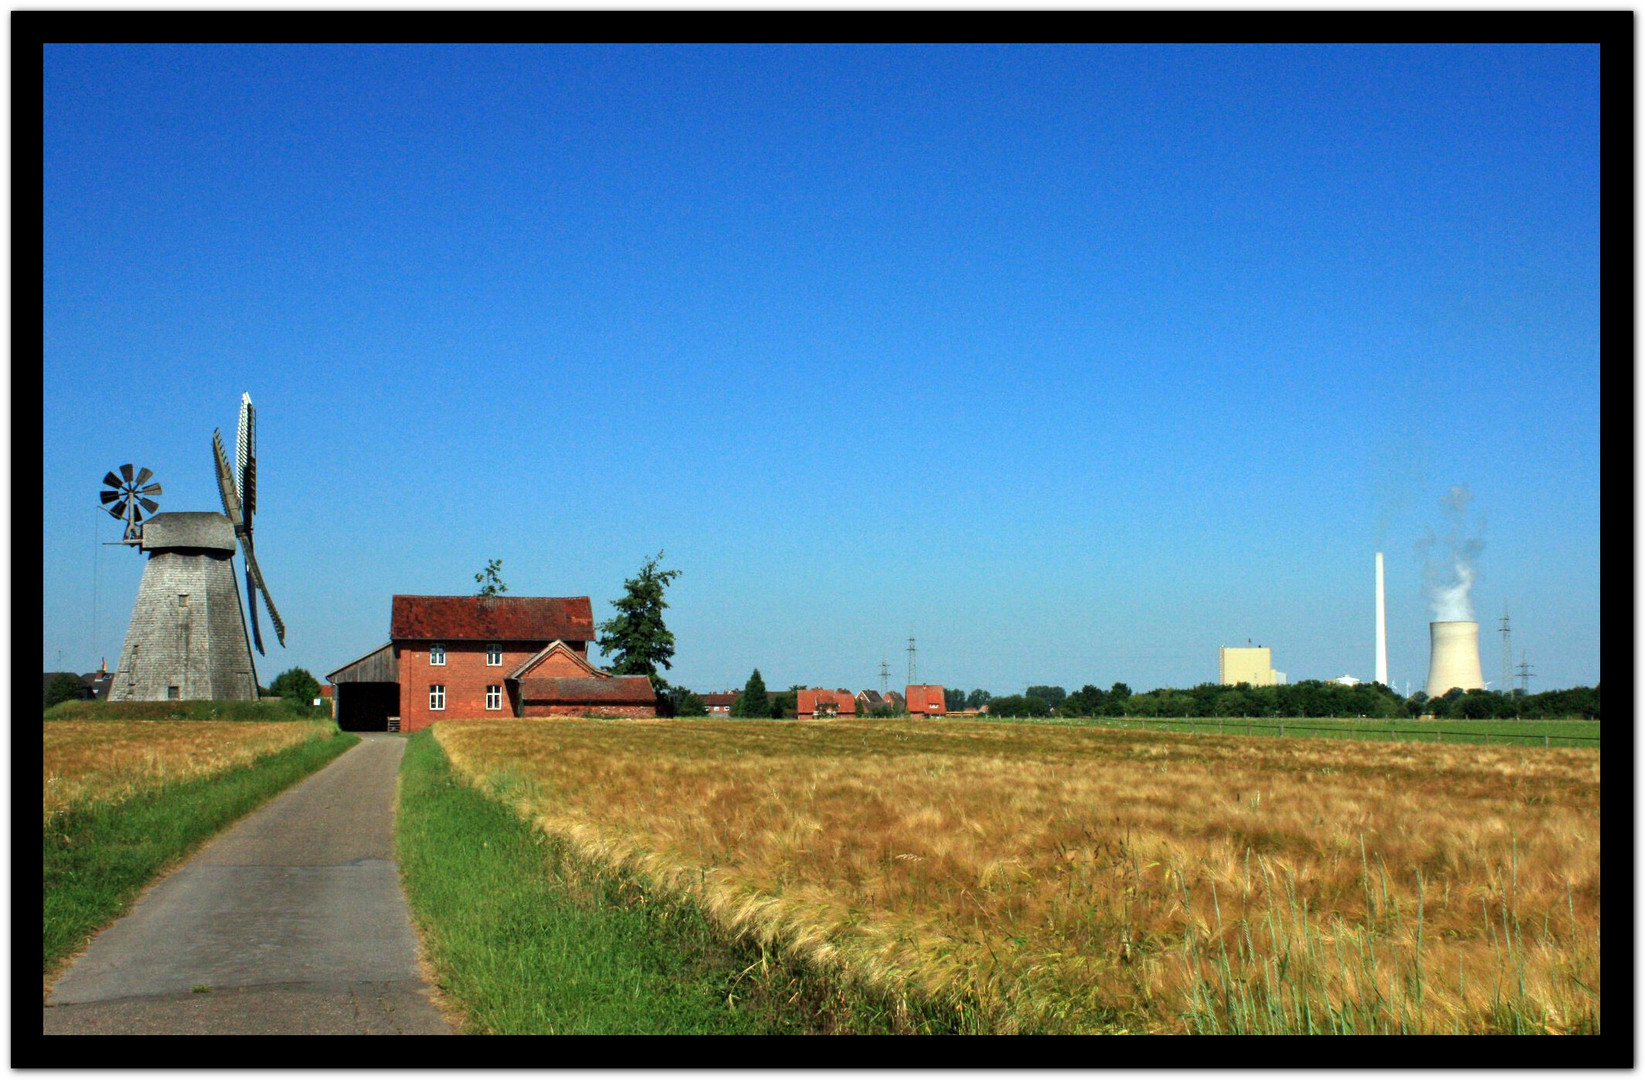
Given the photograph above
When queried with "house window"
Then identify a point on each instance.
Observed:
(494, 655)
(172, 693)
(494, 697)
(437, 697)
(437, 655)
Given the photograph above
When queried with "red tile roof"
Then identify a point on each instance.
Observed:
(564, 650)
(927, 699)
(844, 701)
(491, 618)
(615, 690)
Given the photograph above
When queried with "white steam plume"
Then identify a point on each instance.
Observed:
(1449, 580)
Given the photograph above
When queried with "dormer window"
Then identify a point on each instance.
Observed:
(494, 656)
(437, 655)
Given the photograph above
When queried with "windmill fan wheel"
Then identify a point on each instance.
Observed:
(128, 495)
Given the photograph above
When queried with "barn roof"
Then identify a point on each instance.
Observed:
(378, 665)
(492, 618)
(612, 690)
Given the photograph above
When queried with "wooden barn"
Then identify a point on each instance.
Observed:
(475, 657)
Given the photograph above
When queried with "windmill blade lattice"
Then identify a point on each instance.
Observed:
(128, 495)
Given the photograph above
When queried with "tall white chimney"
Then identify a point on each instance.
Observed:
(1382, 629)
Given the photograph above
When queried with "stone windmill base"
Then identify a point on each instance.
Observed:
(187, 639)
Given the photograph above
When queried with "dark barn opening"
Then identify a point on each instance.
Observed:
(367, 691)
(366, 706)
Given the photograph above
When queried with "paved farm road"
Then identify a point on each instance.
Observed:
(290, 923)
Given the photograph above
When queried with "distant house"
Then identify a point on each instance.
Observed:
(820, 704)
(719, 704)
(896, 701)
(476, 657)
(927, 701)
(93, 686)
(96, 684)
(869, 700)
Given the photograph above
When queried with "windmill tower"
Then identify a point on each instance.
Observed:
(187, 638)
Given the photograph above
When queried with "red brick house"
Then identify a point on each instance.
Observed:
(719, 704)
(814, 703)
(926, 701)
(474, 657)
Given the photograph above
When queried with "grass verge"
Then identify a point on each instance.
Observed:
(99, 856)
(525, 937)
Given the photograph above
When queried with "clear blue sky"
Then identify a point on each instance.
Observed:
(1073, 363)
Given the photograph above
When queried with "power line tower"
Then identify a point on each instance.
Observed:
(1525, 676)
(911, 669)
(1506, 686)
(885, 676)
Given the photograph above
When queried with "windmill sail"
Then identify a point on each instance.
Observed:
(245, 458)
(235, 509)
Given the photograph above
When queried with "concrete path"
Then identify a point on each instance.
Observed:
(290, 923)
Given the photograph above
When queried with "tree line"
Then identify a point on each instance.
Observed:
(1308, 698)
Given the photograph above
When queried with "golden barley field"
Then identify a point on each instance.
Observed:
(111, 760)
(1069, 879)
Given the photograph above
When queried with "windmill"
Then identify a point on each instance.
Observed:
(125, 497)
(237, 486)
(187, 639)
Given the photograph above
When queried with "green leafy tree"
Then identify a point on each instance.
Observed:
(1019, 705)
(490, 579)
(636, 638)
(63, 687)
(296, 685)
(1051, 695)
(976, 699)
(686, 703)
(752, 703)
(1088, 700)
(953, 700)
(786, 705)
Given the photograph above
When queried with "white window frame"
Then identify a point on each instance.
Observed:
(437, 697)
(494, 655)
(437, 655)
(494, 697)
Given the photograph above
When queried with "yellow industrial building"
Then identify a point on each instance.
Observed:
(1250, 665)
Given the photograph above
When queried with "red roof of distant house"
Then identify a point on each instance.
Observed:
(492, 618)
(616, 689)
(726, 699)
(927, 699)
(845, 702)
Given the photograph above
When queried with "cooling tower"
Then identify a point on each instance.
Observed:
(1453, 659)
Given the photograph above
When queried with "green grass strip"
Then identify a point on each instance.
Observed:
(527, 938)
(100, 856)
